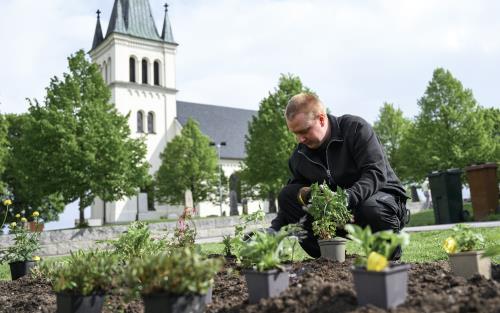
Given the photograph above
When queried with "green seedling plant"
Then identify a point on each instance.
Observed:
(329, 210)
(463, 239)
(377, 247)
(26, 243)
(240, 231)
(135, 242)
(83, 273)
(181, 271)
(265, 251)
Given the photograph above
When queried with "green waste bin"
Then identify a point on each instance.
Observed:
(446, 192)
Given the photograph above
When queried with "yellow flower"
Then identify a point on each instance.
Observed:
(24, 220)
(7, 202)
(376, 262)
(36, 258)
(35, 214)
(18, 215)
(13, 224)
(450, 245)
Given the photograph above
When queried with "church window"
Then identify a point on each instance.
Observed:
(140, 121)
(144, 71)
(131, 68)
(109, 70)
(157, 73)
(151, 122)
(105, 72)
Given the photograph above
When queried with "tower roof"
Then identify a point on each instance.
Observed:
(166, 33)
(98, 38)
(134, 18)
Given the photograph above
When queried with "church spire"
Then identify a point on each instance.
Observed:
(166, 33)
(117, 22)
(98, 38)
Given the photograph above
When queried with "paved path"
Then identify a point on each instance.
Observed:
(449, 226)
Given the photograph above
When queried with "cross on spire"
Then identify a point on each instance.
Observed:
(166, 6)
(98, 13)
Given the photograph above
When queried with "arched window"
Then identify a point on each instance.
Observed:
(110, 73)
(157, 73)
(151, 122)
(140, 122)
(131, 69)
(144, 71)
(105, 65)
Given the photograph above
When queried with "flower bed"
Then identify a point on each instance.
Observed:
(316, 286)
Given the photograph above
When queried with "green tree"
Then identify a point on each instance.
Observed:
(26, 197)
(78, 145)
(269, 143)
(450, 130)
(188, 162)
(3, 149)
(390, 128)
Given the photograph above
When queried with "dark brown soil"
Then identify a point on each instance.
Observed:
(316, 286)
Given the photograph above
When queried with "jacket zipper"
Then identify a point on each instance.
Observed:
(327, 168)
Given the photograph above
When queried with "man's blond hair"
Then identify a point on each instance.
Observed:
(304, 103)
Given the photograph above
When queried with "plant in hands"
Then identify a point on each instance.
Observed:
(83, 273)
(181, 271)
(265, 251)
(26, 243)
(463, 240)
(329, 210)
(377, 247)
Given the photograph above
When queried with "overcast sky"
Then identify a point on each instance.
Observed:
(354, 54)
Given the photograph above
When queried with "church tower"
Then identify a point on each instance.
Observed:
(138, 64)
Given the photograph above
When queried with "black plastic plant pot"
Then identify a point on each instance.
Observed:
(265, 284)
(163, 302)
(385, 289)
(333, 249)
(74, 303)
(20, 269)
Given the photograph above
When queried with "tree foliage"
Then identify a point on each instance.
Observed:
(27, 197)
(391, 128)
(269, 143)
(451, 130)
(77, 144)
(4, 144)
(188, 162)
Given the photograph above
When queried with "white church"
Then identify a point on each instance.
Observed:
(138, 64)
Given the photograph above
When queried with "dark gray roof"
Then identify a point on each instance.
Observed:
(220, 124)
(134, 18)
(98, 33)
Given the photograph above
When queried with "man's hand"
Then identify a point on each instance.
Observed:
(304, 196)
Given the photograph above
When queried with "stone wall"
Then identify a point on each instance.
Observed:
(62, 242)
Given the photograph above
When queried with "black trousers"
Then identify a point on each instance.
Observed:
(382, 211)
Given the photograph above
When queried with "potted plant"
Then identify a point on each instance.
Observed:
(464, 252)
(376, 280)
(21, 255)
(174, 281)
(82, 280)
(330, 212)
(261, 256)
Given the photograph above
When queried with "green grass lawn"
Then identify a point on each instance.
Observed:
(426, 217)
(424, 247)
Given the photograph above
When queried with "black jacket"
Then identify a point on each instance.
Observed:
(355, 162)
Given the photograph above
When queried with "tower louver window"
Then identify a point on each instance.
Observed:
(131, 66)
